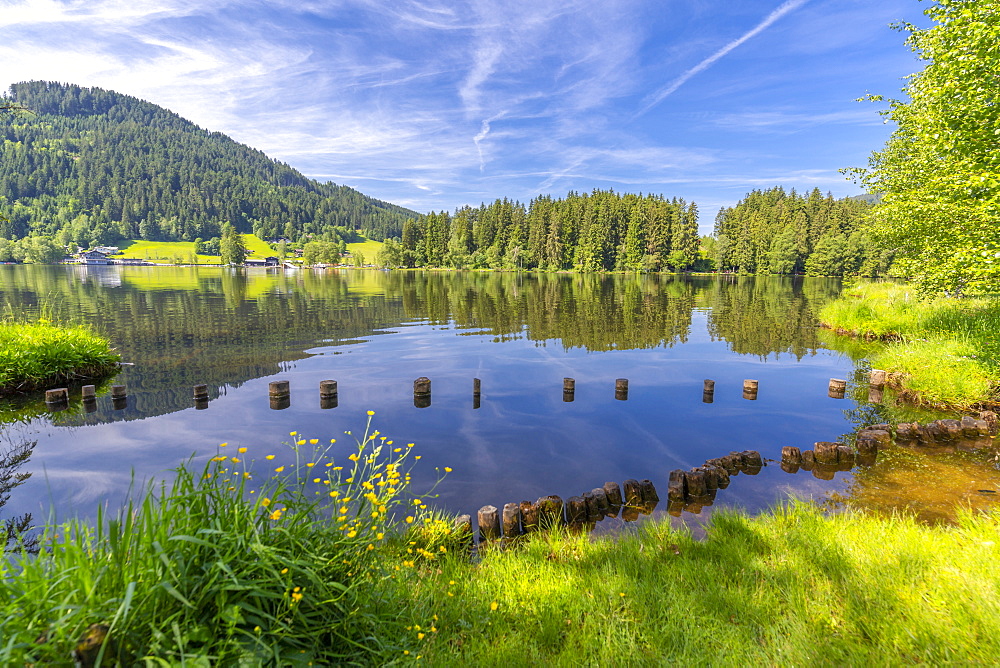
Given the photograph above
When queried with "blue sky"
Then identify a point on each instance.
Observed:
(435, 104)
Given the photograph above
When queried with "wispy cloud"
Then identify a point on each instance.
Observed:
(438, 103)
(660, 95)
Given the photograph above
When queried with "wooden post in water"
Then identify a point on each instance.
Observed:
(677, 486)
(650, 499)
(329, 396)
(791, 459)
(593, 514)
(476, 393)
(511, 521)
(550, 511)
(119, 397)
(708, 392)
(89, 393)
(489, 524)
(613, 493)
(529, 516)
(750, 389)
(877, 378)
(422, 392)
(569, 389)
(576, 512)
(280, 394)
(463, 531)
(826, 453)
(621, 389)
(837, 388)
(752, 462)
(57, 399)
(601, 504)
(201, 392)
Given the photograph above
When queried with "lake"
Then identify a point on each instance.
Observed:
(375, 332)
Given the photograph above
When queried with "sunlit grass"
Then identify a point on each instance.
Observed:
(369, 248)
(242, 563)
(182, 252)
(35, 353)
(946, 348)
(792, 587)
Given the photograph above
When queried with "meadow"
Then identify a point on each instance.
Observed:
(335, 561)
(942, 351)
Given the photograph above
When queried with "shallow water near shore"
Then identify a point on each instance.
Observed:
(375, 332)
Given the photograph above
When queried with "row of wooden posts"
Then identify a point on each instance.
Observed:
(696, 488)
(279, 392)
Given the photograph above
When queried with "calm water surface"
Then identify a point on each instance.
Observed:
(375, 332)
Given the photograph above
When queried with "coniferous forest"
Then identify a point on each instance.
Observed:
(778, 232)
(600, 231)
(91, 166)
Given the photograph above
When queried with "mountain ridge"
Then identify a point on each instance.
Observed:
(93, 166)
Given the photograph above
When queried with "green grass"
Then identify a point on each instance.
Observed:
(945, 350)
(368, 248)
(182, 252)
(40, 353)
(792, 587)
(245, 564)
(225, 566)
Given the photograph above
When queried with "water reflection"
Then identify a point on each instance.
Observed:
(521, 336)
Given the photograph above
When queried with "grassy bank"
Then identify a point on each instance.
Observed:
(331, 562)
(36, 354)
(945, 351)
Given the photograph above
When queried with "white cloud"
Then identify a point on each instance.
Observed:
(660, 95)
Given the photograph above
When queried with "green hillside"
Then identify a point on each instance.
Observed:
(91, 166)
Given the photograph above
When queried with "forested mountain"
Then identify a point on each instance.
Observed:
(772, 231)
(92, 166)
(599, 231)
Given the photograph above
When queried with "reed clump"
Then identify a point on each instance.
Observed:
(240, 563)
(39, 353)
(941, 351)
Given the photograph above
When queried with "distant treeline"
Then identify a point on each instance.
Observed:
(91, 166)
(778, 232)
(600, 231)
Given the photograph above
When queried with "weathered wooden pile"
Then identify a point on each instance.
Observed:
(578, 513)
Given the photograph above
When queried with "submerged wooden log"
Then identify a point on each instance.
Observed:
(280, 403)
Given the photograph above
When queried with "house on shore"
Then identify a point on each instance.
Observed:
(93, 257)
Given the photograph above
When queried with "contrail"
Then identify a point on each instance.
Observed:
(787, 6)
